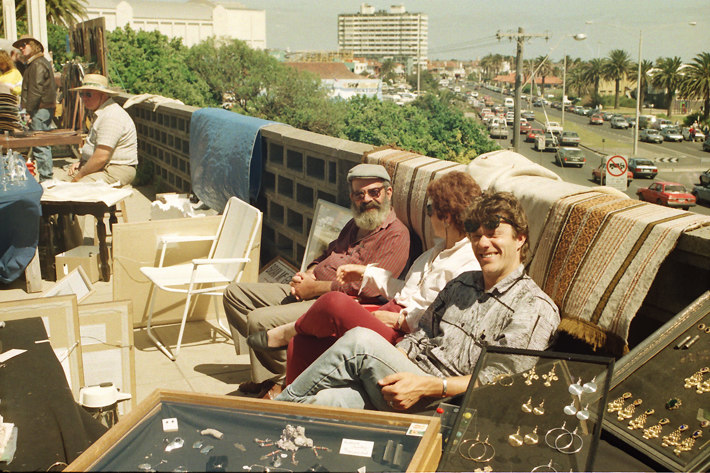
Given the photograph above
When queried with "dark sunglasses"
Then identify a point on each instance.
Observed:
(429, 210)
(490, 224)
(374, 193)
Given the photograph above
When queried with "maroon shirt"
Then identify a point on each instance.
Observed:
(387, 247)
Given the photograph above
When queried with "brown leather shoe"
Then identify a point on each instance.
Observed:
(272, 392)
(250, 387)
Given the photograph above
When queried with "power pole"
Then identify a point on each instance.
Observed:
(520, 38)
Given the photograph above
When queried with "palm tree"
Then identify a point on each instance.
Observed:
(616, 68)
(592, 73)
(668, 75)
(59, 12)
(696, 81)
(646, 67)
(576, 81)
(544, 69)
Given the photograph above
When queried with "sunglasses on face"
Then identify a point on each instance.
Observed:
(374, 193)
(490, 224)
(88, 95)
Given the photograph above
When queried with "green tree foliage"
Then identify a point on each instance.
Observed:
(426, 126)
(59, 12)
(145, 62)
(668, 75)
(646, 67)
(696, 81)
(427, 81)
(616, 68)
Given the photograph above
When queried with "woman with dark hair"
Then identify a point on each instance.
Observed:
(335, 313)
(39, 99)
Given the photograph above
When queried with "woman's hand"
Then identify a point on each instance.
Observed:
(348, 273)
(388, 318)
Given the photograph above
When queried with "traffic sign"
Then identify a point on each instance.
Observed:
(617, 166)
(615, 172)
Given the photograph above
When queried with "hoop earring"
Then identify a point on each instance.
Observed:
(486, 444)
(573, 435)
(461, 449)
(547, 467)
(547, 435)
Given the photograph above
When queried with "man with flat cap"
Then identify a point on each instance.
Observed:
(39, 98)
(373, 236)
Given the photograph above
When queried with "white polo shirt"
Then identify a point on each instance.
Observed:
(114, 128)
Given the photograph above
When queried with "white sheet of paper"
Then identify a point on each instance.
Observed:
(93, 334)
(11, 354)
(358, 448)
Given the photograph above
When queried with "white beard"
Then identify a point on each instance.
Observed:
(369, 220)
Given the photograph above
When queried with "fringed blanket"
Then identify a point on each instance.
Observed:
(411, 174)
(597, 257)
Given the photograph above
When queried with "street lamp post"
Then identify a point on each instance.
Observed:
(577, 37)
(638, 99)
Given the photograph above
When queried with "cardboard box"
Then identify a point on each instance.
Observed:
(85, 256)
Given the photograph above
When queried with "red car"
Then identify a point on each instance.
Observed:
(670, 194)
(596, 119)
(525, 126)
(599, 175)
(532, 134)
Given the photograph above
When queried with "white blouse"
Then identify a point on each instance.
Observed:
(427, 276)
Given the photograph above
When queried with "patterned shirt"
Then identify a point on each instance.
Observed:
(514, 313)
(387, 246)
(114, 128)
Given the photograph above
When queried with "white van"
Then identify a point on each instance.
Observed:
(509, 102)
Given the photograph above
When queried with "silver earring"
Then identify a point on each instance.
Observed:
(570, 409)
(590, 387)
(584, 413)
(576, 388)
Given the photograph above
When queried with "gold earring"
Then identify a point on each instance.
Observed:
(550, 377)
(532, 438)
(618, 403)
(539, 410)
(655, 430)
(527, 407)
(628, 411)
(673, 439)
(530, 376)
(515, 440)
(640, 421)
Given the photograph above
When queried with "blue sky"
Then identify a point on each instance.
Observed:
(465, 29)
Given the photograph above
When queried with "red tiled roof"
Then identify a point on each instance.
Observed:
(326, 70)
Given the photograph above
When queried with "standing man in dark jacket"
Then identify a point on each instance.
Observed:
(39, 98)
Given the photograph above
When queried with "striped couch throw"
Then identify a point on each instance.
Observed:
(597, 257)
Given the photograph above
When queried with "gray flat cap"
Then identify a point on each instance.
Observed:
(368, 171)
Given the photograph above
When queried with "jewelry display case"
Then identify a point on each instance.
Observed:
(529, 410)
(660, 392)
(174, 431)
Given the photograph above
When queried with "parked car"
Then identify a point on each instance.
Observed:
(671, 133)
(701, 193)
(607, 116)
(663, 123)
(553, 127)
(532, 134)
(599, 174)
(699, 135)
(525, 126)
(705, 178)
(641, 167)
(499, 131)
(550, 142)
(509, 118)
(596, 119)
(619, 122)
(570, 156)
(569, 138)
(631, 121)
(650, 135)
(529, 115)
(670, 194)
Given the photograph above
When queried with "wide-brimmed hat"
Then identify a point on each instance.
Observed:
(27, 39)
(95, 82)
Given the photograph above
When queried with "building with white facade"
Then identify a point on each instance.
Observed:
(192, 20)
(339, 81)
(380, 34)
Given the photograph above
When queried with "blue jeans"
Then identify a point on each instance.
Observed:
(42, 121)
(346, 375)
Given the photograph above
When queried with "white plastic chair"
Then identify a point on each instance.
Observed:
(225, 264)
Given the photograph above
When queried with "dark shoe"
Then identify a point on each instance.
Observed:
(250, 387)
(272, 392)
(260, 341)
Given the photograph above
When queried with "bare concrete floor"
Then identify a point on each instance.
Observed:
(207, 362)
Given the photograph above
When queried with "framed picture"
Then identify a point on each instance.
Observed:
(227, 433)
(108, 353)
(278, 270)
(328, 220)
(663, 383)
(61, 321)
(76, 282)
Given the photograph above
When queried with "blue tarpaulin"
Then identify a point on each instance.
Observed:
(225, 156)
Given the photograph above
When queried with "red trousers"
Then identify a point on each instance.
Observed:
(333, 314)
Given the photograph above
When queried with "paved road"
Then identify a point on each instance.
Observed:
(680, 162)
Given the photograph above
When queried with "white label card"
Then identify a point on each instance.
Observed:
(417, 430)
(358, 448)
